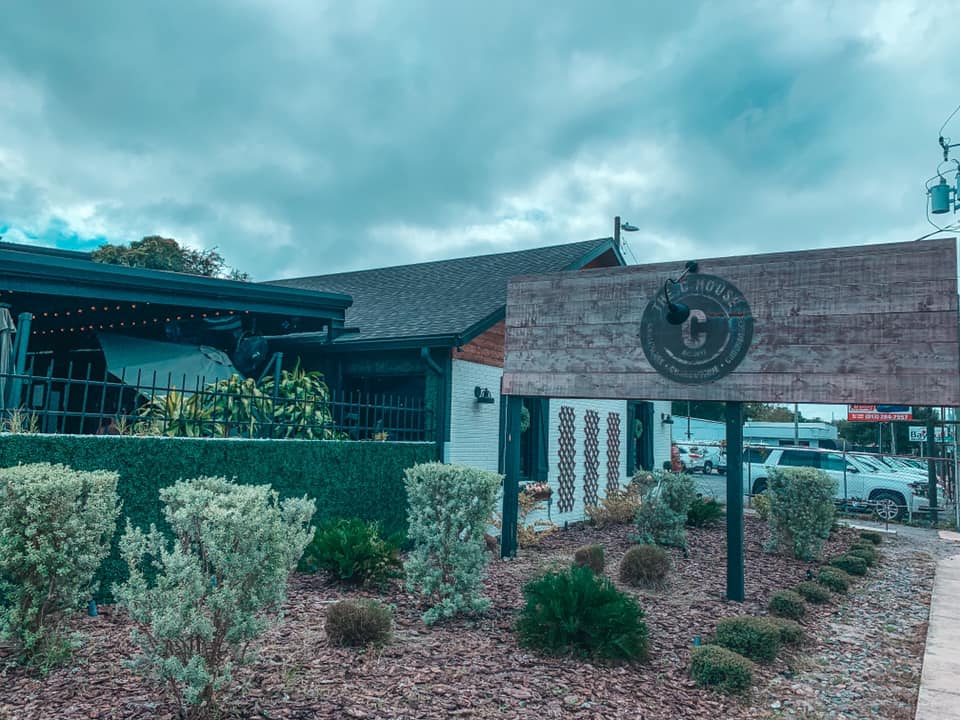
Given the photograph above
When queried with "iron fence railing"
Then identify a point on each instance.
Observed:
(38, 402)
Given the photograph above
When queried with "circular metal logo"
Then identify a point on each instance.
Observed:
(713, 340)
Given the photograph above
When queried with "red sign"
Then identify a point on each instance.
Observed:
(878, 413)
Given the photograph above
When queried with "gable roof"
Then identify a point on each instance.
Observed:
(441, 300)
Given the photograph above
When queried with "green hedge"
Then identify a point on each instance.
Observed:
(347, 479)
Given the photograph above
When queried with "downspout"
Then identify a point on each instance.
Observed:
(439, 399)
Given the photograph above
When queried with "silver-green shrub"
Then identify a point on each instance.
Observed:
(216, 588)
(801, 510)
(450, 506)
(662, 515)
(55, 529)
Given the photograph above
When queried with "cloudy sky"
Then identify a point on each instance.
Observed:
(305, 137)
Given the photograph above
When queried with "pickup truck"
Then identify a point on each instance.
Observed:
(889, 496)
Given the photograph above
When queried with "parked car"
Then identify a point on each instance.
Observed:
(699, 458)
(888, 495)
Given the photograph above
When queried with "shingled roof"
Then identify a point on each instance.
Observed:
(443, 298)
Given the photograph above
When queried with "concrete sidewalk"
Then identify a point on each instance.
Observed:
(940, 682)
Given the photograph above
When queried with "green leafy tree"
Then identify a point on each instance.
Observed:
(159, 253)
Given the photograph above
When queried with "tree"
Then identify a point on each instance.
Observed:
(763, 412)
(159, 253)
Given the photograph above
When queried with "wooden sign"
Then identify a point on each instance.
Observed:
(870, 324)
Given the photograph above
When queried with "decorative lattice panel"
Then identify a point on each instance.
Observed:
(591, 457)
(613, 452)
(566, 449)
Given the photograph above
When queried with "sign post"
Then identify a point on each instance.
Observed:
(932, 470)
(734, 418)
(511, 479)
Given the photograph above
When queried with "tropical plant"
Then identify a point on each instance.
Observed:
(175, 414)
(575, 611)
(18, 421)
(801, 510)
(239, 407)
(353, 551)
(450, 506)
(55, 529)
(301, 404)
(200, 602)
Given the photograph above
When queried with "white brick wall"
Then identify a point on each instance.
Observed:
(474, 427)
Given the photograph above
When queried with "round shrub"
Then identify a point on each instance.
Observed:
(787, 604)
(590, 556)
(865, 553)
(715, 666)
(850, 564)
(872, 537)
(812, 592)
(358, 622)
(754, 637)
(791, 632)
(834, 579)
(644, 566)
(576, 612)
(704, 512)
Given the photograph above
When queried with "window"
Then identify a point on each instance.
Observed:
(831, 461)
(799, 458)
(755, 455)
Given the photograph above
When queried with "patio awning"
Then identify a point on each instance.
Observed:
(150, 363)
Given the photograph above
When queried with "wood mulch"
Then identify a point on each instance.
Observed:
(469, 668)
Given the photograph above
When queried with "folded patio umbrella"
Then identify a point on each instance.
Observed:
(150, 362)
(7, 329)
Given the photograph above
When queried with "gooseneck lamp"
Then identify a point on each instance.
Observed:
(677, 313)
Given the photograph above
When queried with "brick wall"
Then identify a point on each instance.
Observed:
(474, 427)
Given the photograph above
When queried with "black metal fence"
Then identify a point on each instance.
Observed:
(37, 402)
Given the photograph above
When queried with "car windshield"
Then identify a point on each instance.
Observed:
(868, 464)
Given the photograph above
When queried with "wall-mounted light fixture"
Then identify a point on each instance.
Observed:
(483, 395)
(666, 419)
(677, 313)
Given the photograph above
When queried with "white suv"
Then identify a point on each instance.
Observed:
(890, 496)
(703, 458)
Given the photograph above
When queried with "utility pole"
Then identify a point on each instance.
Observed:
(616, 232)
(796, 424)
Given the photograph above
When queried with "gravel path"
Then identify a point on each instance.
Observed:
(868, 664)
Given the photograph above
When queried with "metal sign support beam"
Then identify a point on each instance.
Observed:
(511, 480)
(735, 561)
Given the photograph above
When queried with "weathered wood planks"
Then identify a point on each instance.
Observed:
(868, 324)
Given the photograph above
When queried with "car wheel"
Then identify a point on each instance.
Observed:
(889, 505)
(760, 486)
(707, 467)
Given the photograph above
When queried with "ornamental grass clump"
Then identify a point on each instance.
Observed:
(787, 604)
(576, 612)
(644, 566)
(715, 666)
(55, 529)
(353, 552)
(198, 603)
(757, 638)
(812, 592)
(358, 622)
(801, 510)
(449, 509)
(662, 515)
(618, 507)
(590, 556)
(850, 564)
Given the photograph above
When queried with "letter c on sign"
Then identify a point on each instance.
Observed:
(692, 331)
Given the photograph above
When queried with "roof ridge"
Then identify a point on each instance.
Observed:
(444, 260)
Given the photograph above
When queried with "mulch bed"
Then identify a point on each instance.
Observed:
(470, 668)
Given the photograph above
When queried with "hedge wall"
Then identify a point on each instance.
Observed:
(347, 479)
